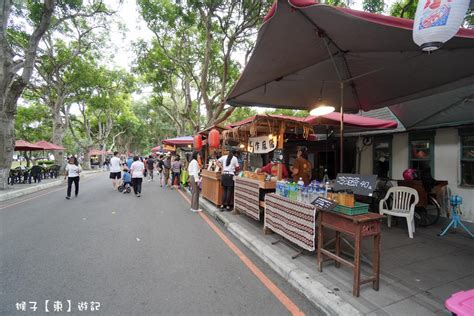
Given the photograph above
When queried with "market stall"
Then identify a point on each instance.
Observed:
(261, 134)
(208, 142)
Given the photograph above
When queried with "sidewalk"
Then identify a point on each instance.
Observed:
(18, 190)
(417, 275)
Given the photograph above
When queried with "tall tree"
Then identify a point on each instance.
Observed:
(56, 66)
(209, 35)
(373, 6)
(21, 30)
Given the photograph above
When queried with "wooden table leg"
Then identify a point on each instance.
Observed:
(338, 248)
(356, 271)
(376, 262)
(320, 243)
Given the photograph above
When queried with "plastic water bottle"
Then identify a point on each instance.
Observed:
(286, 190)
(326, 177)
(300, 190)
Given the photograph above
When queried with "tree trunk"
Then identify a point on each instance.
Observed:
(7, 146)
(86, 164)
(57, 139)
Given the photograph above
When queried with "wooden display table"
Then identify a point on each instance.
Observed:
(247, 193)
(358, 227)
(212, 189)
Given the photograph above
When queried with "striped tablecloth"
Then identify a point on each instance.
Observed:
(292, 220)
(246, 197)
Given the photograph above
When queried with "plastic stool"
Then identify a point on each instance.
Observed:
(461, 303)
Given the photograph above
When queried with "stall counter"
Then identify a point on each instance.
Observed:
(211, 186)
(249, 195)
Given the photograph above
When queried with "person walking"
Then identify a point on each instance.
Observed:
(137, 170)
(176, 172)
(229, 165)
(115, 170)
(194, 179)
(150, 165)
(166, 169)
(159, 168)
(72, 173)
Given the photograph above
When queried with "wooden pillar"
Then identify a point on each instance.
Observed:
(281, 143)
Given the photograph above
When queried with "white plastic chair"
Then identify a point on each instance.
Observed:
(404, 200)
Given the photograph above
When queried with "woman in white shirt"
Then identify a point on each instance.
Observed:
(229, 165)
(72, 173)
(137, 169)
(193, 170)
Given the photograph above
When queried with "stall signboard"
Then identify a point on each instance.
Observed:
(358, 184)
(278, 155)
(324, 204)
(262, 144)
(169, 148)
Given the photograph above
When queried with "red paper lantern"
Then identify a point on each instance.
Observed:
(214, 138)
(197, 142)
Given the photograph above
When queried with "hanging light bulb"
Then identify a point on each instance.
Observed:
(321, 109)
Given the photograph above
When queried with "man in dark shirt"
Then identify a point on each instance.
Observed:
(150, 165)
(159, 169)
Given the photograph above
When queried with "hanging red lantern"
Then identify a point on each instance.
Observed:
(214, 138)
(197, 142)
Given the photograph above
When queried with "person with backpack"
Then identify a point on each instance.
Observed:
(166, 169)
(175, 172)
(150, 166)
(159, 169)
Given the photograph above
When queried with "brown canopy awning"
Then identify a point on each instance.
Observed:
(292, 59)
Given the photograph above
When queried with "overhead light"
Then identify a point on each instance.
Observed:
(322, 109)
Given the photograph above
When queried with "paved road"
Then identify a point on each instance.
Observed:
(147, 255)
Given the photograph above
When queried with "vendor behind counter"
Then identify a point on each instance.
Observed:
(302, 167)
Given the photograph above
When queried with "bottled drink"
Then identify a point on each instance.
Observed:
(326, 177)
(286, 189)
(299, 192)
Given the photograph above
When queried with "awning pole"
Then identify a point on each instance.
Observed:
(341, 136)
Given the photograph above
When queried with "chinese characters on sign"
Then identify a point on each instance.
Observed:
(358, 184)
(262, 144)
(57, 306)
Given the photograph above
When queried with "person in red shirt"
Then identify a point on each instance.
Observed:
(272, 169)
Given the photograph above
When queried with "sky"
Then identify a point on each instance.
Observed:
(137, 29)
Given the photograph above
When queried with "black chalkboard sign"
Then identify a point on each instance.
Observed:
(278, 155)
(324, 204)
(358, 184)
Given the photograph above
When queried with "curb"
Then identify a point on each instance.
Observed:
(12, 195)
(322, 297)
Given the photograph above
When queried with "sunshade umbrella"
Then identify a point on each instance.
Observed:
(48, 146)
(352, 120)
(358, 60)
(22, 145)
(179, 141)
